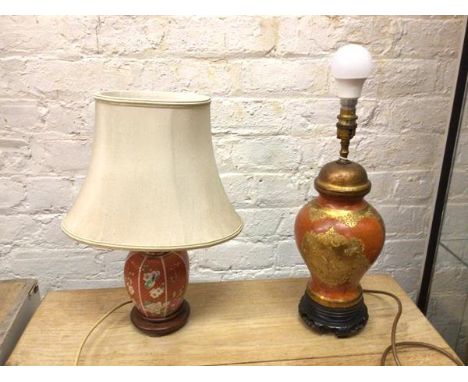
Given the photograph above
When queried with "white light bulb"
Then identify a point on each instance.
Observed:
(351, 65)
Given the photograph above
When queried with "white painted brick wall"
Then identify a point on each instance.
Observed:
(273, 117)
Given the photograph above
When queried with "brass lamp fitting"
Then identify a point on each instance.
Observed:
(346, 125)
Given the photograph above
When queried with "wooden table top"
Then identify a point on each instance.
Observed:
(231, 323)
(16, 308)
(11, 292)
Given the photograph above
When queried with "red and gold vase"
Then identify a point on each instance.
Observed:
(156, 282)
(339, 236)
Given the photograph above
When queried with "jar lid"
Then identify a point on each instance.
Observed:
(343, 178)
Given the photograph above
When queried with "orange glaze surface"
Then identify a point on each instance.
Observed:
(339, 239)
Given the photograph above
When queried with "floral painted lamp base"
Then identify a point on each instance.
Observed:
(156, 282)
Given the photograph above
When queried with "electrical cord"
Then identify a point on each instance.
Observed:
(391, 348)
(395, 345)
(78, 354)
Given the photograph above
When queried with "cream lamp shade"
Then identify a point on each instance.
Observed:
(152, 184)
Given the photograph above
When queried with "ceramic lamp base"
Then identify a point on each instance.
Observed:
(164, 326)
(343, 322)
(156, 282)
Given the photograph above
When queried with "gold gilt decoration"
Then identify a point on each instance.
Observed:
(334, 258)
(347, 217)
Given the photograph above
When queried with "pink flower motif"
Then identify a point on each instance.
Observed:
(155, 293)
(150, 278)
(155, 307)
(130, 289)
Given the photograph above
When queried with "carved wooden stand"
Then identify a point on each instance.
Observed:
(343, 322)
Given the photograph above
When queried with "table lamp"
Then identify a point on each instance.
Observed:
(339, 234)
(153, 189)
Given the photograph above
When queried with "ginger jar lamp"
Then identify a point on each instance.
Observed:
(153, 189)
(339, 234)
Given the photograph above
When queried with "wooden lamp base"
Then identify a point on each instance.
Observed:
(156, 282)
(163, 326)
(343, 322)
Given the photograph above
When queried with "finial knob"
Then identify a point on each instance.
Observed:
(351, 65)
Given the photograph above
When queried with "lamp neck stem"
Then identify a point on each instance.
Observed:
(346, 125)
